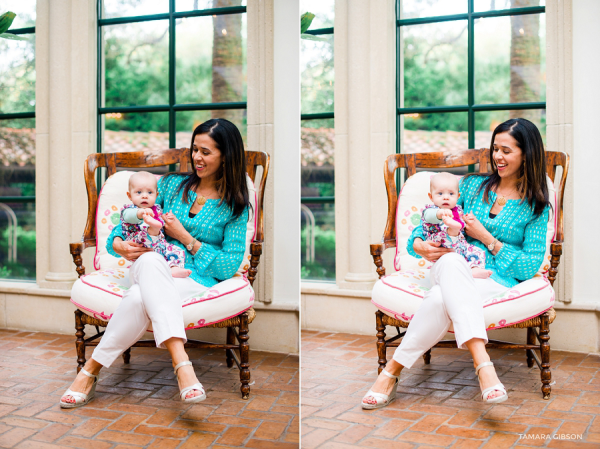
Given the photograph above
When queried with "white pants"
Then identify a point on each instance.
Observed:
(455, 298)
(155, 297)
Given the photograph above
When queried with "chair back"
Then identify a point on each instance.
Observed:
(440, 161)
(152, 159)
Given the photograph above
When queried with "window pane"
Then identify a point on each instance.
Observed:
(191, 5)
(318, 241)
(24, 9)
(17, 75)
(126, 8)
(136, 132)
(323, 11)
(211, 59)
(510, 59)
(486, 122)
(491, 5)
(17, 241)
(317, 75)
(410, 9)
(424, 133)
(186, 122)
(17, 178)
(435, 64)
(136, 64)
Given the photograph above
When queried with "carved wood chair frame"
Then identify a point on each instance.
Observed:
(237, 327)
(538, 328)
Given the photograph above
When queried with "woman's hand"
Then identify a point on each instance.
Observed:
(430, 251)
(129, 250)
(476, 230)
(174, 228)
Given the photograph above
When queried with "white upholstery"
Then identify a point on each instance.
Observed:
(99, 293)
(400, 294)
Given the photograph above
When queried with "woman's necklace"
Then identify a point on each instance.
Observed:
(201, 199)
(501, 199)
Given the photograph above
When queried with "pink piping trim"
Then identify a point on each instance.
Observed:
(103, 316)
(521, 296)
(97, 204)
(492, 304)
(96, 314)
(218, 321)
(185, 305)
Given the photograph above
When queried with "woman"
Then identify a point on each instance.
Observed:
(206, 212)
(506, 215)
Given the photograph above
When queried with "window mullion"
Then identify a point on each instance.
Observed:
(172, 99)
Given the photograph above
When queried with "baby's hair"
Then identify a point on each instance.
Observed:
(139, 176)
(441, 176)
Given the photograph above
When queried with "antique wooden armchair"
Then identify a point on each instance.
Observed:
(538, 326)
(237, 326)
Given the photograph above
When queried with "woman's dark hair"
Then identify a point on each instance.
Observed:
(231, 182)
(531, 184)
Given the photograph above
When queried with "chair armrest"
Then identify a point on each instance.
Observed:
(556, 252)
(255, 252)
(76, 250)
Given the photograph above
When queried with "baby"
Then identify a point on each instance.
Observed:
(141, 222)
(442, 222)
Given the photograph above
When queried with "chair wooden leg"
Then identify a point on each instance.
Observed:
(530, 341)
(244, 356)
(230, 341)
(427, 357)
(127, 356)
(545, 355)
(381, 350)
(79, 342)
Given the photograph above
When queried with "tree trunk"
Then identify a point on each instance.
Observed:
(227, 63)
(525, 61)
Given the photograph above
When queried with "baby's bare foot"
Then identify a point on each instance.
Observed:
(480, 273)
(454, 227)
(177, 272)
(154, 226)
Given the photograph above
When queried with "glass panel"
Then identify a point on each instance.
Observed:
(318, 241)
(136, 132)
(317, 75)
(211, 59)
(425, 133)
(17, 178)
(136, 64)
(510, 59)
(324, 11)
(435, 64)
(317, 159)
(126, 8)
(17, 75)
(492, 5)
(486, 122)
(17, 241)
(25, 11)
(427, 8)
(191, 5)
(186, 122)
(17, 157)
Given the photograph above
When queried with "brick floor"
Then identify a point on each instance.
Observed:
(138, 404)
(439, 404)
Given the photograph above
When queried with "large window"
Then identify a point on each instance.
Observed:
(17, 144)
(465, 66)
(162, 73)
(317, 187)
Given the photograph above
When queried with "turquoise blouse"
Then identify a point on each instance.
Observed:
(523, 235)
(223, 237)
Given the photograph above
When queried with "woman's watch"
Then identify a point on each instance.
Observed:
(492, 245)
(190, 247)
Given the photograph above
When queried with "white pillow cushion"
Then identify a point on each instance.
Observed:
(400, 294)
(113, 197)
(98, 294)
(413, 199)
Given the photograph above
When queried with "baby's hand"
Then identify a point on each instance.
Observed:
(144, 212)
(441, 213)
